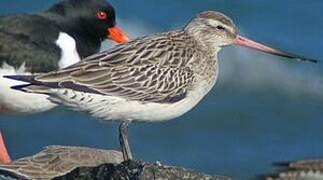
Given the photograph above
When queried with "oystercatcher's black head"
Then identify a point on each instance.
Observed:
(88, 18)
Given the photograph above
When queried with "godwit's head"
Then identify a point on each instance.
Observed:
(213, 30)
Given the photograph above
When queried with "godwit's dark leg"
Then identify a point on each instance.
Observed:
(123, 138)
(4, 155)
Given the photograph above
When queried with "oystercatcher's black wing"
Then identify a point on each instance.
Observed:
(29, 39)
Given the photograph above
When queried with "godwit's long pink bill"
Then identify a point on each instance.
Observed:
(242, 41)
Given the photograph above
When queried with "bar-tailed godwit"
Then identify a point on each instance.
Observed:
(154, 78)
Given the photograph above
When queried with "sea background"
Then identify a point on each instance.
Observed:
(263, 110)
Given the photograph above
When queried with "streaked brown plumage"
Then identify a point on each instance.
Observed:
(301, 170)
(56, 161)
(153, 69)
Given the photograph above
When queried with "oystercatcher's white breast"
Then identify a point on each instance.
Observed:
(12, 101)
(69, 54)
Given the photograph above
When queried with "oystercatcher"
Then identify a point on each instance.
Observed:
(49, 40)
(155, 78)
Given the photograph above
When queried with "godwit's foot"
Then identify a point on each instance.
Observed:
(123, 138)
(4, 156)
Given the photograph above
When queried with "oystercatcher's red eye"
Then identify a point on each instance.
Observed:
(102, 15)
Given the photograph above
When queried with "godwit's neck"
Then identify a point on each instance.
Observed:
(207, 43)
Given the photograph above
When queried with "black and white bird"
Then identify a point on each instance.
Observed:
(150, 79)
(56, 38)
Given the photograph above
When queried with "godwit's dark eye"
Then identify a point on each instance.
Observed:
(221, 28)
(102, 15)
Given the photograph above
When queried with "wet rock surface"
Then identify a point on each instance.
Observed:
(82, 163)
(137, 170)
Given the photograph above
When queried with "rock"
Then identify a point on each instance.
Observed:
(137, 170)
(80, 163)
(56, 161)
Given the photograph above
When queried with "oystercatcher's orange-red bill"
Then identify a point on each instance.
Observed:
(242, 41)
(4, 156)
(117, 35)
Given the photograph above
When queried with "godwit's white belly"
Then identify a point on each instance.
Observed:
(116, 108)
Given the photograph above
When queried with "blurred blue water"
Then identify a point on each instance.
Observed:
(264, 109)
